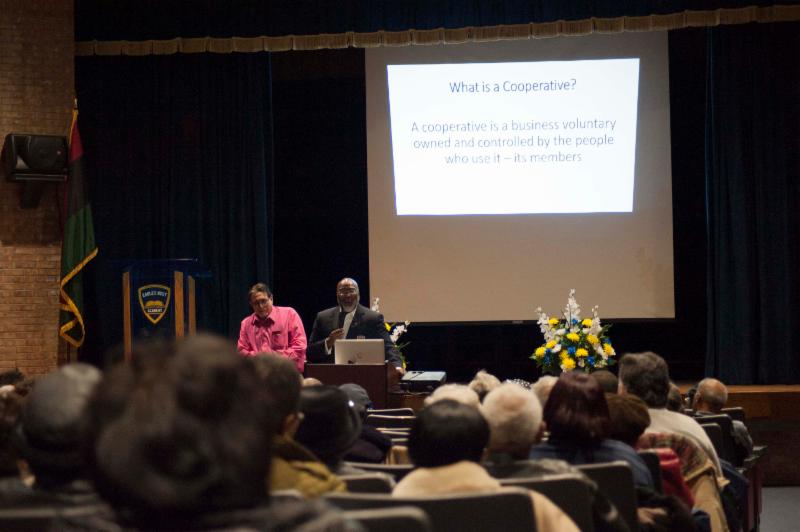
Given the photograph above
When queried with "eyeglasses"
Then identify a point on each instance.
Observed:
(345, 291)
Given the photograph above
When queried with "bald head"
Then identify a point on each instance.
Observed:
(711, 396)
(347, 294)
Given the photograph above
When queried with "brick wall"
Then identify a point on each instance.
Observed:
(36, 91)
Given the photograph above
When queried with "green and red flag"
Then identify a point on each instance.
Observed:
(78, 246)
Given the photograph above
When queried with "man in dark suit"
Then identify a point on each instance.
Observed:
(348, 320)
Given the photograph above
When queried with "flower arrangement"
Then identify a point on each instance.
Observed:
(395, 330)
(572, 342)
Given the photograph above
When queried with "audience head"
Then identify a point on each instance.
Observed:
(188, 436)
(311, 381)
(52, 423)
(576, 410)
(10, 406)
(543, 387)
(608, 381)
(330, 423)
(514, 416)
(457, 392)
(646, 376)
(711, 396)
(674, 398)
(629, 417)
(359, 397)
(483, 383)
(282, 381)
(11, 377)
(447, 432)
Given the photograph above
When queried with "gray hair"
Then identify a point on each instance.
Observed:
(460, 393)
(713, 393)
(542, 388)
(646, 376)
(483, 383)
(514, 415)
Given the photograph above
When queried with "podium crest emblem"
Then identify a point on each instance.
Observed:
(154, 301)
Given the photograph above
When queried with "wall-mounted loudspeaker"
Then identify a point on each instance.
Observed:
(34, 160)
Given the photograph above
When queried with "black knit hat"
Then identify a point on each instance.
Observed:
(330, 424)
(49, 430)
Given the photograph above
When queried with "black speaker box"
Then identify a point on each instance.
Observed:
(34, 157)
(33, 161)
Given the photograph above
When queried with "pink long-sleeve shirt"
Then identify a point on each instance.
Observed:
(280, 332)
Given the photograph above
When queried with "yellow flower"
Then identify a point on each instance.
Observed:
(551, 344)
(563, 354)
(608, 349)
(587, 322)
(553, 322)
(592, 339)
(573, 337)
(388, 327)
(568, 364)
(539, 353)
(581, 352)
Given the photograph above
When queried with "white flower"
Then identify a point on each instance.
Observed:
(376, 305)
(397, 332)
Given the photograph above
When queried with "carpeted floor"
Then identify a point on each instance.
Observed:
(781, 513)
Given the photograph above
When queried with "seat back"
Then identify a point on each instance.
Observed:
(37, 518)
(392, 411)
(400, 519)
(403, 422)
(507, 509)
(615, 481)
(714, 432)
(653, 464)
(396, 471)
(735, 412)
(369, 483)
(726, 449)
(567, 491)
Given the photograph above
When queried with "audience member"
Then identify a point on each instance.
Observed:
(542, 388)
(674, 398)
(48, 436)
(311, 381)
(483, 383)
(514, 416)
(446, 444)
(185, 445)
(608, 381)
(646, 376)
(10, 406)
(710, 398)
(11, 377)
(372, 445)
(330, 426)
(576, 415)
(293, 466)
(457, 392)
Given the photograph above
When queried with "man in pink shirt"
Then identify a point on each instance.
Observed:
(272, 329)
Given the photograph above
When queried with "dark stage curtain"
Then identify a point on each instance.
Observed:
(179, 155)
(752, 170)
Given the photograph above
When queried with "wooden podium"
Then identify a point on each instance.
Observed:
(375, 378)
(158, 298)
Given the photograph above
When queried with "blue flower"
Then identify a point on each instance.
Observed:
(590, 361)
(574, 321)
(571, 350)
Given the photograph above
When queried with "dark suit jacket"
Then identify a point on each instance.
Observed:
(366, 323)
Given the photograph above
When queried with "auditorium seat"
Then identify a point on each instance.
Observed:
(727, 450)
(615, 480)
(567, 491)
(40, 517)
(392, 411)
(403, 422)
(653, 464)
(508, 509)
(369, 483)
(400, 519)
(735, 412)
(397, 471)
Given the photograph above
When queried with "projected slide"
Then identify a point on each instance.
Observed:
(514, 138)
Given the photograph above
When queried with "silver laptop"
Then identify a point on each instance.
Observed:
(359, 352)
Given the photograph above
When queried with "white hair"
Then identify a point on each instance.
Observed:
(483, 383)
(457, 392)
(542, 388)
(514, 415)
